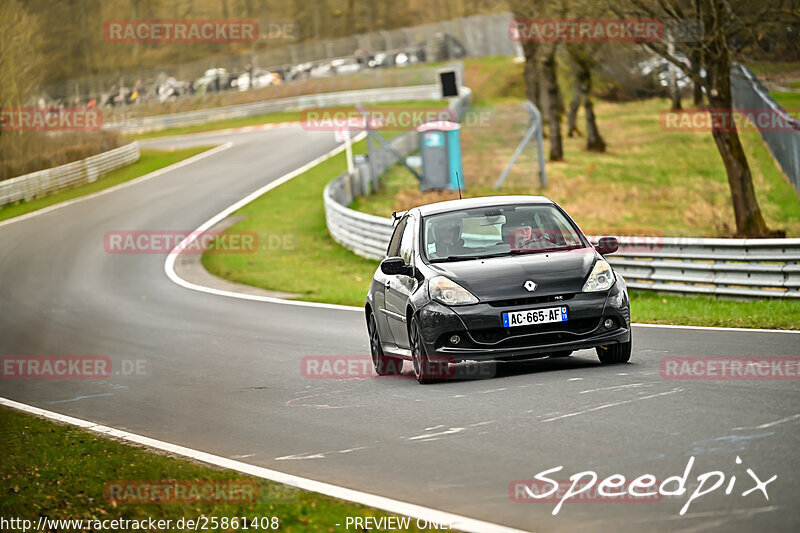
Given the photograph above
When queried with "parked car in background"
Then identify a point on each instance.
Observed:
(214, 80)
(345, 66)
(260, 78)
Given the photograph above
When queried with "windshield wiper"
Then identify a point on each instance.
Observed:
(540, 250)
(450, 258)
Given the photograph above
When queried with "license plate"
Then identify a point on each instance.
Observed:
(534, 316)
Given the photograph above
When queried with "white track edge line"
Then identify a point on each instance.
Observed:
(455, 521)
(155, 173)
(715, 328)
(169, 264)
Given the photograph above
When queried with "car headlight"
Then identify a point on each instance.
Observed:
(601, 278)
(448, 292)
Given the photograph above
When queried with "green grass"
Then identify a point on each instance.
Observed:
(637, 185)
(653, 308)
(149, 161)
(284, 116)
(307, 266)
(769, 68)
(311, 264)
(788, 101)
(650, 181)
(271, 118)
(60, 472)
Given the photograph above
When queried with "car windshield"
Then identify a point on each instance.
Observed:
(497, 231)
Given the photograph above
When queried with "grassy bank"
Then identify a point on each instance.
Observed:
(60, 472)
(318, 269)
(650, 181)
(645, 184)
(149, 161)
(273, 118)
(310, 263)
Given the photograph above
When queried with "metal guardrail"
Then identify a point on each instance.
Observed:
(51, 180)
(201, 116)
(368, 235)
(764, 268)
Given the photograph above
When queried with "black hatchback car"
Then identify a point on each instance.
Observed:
(493, 279)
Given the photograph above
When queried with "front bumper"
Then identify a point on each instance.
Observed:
(483, 336)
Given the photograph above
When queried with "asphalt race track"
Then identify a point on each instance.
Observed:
(224, 376)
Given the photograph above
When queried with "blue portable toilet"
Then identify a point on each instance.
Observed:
(440, 149)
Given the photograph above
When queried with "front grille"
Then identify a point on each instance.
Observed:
(530, 300)
(540, 333)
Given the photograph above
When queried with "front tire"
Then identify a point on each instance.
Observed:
(615, 353)
(383, 364)
(423, 369)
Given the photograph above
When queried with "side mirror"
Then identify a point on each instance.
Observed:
(607, 245)
(392, 266)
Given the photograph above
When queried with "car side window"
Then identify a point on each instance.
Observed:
(407, 242)
(394, 243)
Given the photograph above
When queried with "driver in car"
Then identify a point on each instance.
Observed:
(448, 239)
(517, 232)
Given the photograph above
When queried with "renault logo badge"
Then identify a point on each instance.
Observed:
(530, 286)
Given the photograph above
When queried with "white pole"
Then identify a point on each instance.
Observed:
(349, 151)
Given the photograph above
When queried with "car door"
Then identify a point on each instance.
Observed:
(382, 280)
(399, 287)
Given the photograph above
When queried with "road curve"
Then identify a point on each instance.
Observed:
(224, 376)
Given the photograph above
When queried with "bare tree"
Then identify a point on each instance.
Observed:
(541, 73)
(719, 21)
(582, 57)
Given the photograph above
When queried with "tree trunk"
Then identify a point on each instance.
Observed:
(594, 141)
(529, 48)
(572, 114)
(697, 90)
(552, 92)
(749, 221)
(675, 96)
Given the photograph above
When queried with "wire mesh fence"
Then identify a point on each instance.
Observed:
(783, 142)
(466, 37)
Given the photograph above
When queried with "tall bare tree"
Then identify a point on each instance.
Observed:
(719, 22)
(582, 57)
(541, 72)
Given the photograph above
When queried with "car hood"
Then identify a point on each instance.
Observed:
(500, 278)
